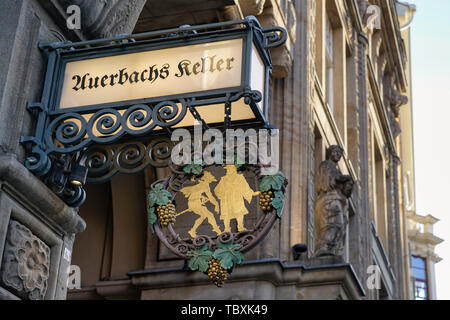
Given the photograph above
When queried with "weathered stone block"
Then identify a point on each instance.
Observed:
(26, 263)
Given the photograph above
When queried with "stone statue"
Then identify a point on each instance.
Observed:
(331, 210)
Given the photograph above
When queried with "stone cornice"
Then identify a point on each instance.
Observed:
(392, 37)
(32, 193)
(270, 270)
(424, 237)
(422, 219)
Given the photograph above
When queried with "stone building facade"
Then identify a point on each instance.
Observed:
(340, 79)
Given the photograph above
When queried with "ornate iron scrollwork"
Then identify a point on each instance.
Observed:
(105, 161)
(113, 137)
(71, 132)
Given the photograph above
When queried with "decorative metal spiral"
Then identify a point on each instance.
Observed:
(72, 132)
(165, 113)
(226, 237)
(68, 130)
(159, 152)
(98, 160)
(138, 116)
(105, 161)
(106, 122)
(252, 96)
(130, 155)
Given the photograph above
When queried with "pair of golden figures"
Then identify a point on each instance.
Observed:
(232, 191)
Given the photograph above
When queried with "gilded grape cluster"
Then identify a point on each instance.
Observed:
(265, 200)
(216, 272)
(166, 214)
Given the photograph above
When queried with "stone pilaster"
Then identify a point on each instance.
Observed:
(365, 207)
(355, 236)
(36, 228)
(397, 260)
(36, 235)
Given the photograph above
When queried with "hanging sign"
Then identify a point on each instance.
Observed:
(155, 73)
(211, 215)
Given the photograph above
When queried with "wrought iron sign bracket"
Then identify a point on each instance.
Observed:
(127, 135)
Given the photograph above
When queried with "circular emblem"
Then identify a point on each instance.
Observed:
(211, 215)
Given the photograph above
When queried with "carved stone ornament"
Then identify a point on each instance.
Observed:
(26, 263)
(393, 100)
(251, 7)
(363, 5)
(331, 209)
(107, 18)
(211, 214)
(282, 55)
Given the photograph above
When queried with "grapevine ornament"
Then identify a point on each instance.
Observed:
(216, 272)
(166, 214)
(218, 253)
(265, 201)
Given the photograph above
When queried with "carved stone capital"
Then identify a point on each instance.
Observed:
(251, 7)
(281, 62)
(363, 5)
(281, 56)
(26, 263)
(393, 101)
(106, 18)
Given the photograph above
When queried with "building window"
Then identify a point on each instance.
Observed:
(378, 194)
(419, 272)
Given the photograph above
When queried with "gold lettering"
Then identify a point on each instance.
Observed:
(195, 68)
(229, 60)
(218, 66)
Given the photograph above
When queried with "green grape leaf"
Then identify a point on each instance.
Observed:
(195, 169)
(151, 217)
(278, 204)
(228, 254)
(271, 182)
(279, 194)
(199, 258)
(158, 195)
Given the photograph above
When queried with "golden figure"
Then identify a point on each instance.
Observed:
(198, 195)
(232, 191)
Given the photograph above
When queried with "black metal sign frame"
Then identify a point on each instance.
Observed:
(67, 132)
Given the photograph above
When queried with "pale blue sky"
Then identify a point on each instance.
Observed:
(430, 39)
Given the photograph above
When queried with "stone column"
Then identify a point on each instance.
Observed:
(365, 213)
(397, 260)
(353, 151)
